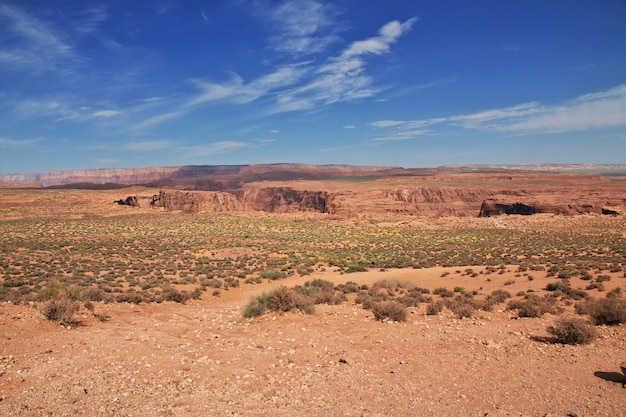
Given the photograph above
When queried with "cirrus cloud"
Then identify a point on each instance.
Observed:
(599, 110)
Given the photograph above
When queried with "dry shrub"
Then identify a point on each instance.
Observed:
(434, 308)
(54, 290)
(609, 311)
(329, 297)
(321, 292)
(461, 307)
(534, 306)
(61, 310)
(282, 299)
(443, 292)
(389, 309)
(412, 299)
(92, 294)
(130, 297)
(572, 331)
(172, 294)
(394, 283)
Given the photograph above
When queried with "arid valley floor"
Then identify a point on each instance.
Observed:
(162, 293)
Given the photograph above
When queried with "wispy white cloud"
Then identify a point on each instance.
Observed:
(34, 45)
(600, 110)
(401, 135)
(215, 148)
(155, 120)
(343, 77)
(18, 143)
(57, 108)
(380, 44)
(106, 113)
(349, 127)
(605, 109)
(302, 27)
(147, 145)
(90, 20)
(388, 123)
(305, 85)
(149, 99)
(237, 91)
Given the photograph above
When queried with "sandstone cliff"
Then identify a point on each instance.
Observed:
(494, 207)
(194, 202)
(272, 200)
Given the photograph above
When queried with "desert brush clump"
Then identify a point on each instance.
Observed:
(281, 300)
(535, 306)
(461, 306)
(61, 310)
(392, 310)
(434, 308)
(572, 331)
(609, 311)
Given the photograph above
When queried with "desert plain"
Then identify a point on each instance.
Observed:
(163, 289)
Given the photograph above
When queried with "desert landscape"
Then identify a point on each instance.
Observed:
(271, 290)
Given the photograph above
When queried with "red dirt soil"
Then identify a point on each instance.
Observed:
(203, 358)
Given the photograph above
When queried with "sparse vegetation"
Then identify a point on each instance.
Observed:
(389, 309)
(610, 311)
(61, 310)
(572, 331)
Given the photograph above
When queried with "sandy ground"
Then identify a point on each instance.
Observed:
(204, 358)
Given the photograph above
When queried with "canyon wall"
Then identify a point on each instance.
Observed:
(271, 200)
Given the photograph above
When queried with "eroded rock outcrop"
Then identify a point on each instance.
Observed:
(194, 202)
(132, 201)
(272, 200)
(495, 207)
(435, 201)
(285, 200)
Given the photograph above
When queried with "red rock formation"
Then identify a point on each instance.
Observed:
(495, 207)
(194, 202)
(273, 200)
(284, 200)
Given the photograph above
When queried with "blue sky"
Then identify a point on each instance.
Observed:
(88, 84)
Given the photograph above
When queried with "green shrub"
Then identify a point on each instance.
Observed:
(356, 268)
(572, 331)
(256, 307)
(348, 287)
(282, 299)
(273, 275)
(55, 290)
